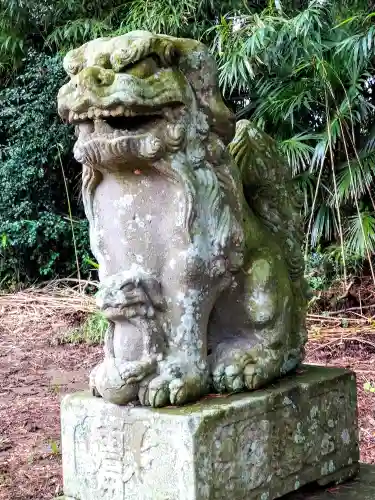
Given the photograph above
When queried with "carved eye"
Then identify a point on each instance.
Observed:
(121, 61)
(127, 287)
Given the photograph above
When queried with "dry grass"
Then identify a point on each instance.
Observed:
(321, 337)
(53, 298)
(36, 371)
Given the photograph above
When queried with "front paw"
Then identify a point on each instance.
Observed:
(176, 384)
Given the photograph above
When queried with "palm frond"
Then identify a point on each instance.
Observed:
(298, 151)
(76, 32)
(324, 225)
(355, 177)
(358, 46)
(360, 233)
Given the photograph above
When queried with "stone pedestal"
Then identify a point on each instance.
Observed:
(255, 446)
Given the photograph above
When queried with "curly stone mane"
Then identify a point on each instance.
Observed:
(269, 193)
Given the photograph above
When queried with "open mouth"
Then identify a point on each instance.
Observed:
(131, 123)
(117, 120)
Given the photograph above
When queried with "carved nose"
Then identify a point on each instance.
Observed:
(94, 77)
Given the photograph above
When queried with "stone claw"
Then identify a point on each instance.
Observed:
(237, 370)
(169, 388)
(228, 378)
(253, 379)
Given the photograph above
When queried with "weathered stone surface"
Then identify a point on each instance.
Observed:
(255, 446)
(194, 225)
(362, 488)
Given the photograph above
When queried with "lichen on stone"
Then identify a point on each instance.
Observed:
(193, 222)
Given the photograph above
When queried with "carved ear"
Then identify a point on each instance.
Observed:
(167, 51)
(200, 69)
(153, 289)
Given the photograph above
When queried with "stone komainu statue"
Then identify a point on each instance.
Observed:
(197, 234)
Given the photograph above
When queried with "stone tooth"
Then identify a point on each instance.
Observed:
(106, 112)
(98, 113)
(118, 111)
(71, 116)
(83, 116)
(169, 114)
(76, 116)
(90, 113)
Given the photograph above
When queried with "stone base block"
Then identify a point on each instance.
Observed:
(254, 446)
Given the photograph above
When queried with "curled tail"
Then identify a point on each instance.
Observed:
(269, 193)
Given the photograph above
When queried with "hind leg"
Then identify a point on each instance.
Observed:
(251, 330)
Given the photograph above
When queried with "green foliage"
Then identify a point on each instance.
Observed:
(36, 233)
(302, 70)
(90, 332)
(369, 387)
(323, 268)
(54, 447)
(63, 24)
(305, 77)
(316, 271)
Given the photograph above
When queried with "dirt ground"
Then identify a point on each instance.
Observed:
(35, 372)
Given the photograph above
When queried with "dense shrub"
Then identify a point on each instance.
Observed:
(35, 229)
(302, 70)
(324, 268)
